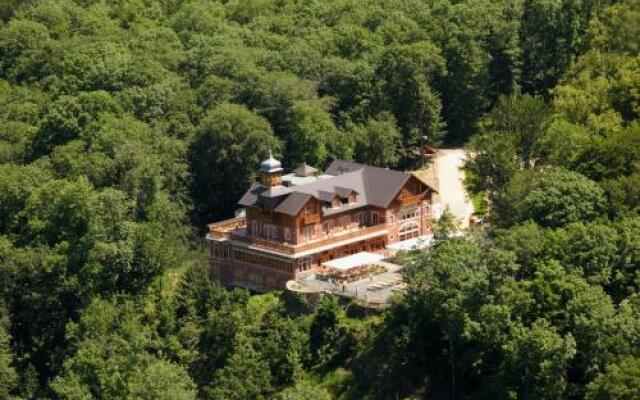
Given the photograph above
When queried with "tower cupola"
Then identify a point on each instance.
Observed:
(271, 171)
(270, 164)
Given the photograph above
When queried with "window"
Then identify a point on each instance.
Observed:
(262, 261)
(374, 218)
(270, 231)
(409, 230)
(360, 217)
(408, 214)
(309, 232)
(425, 209)
(327, 227)
(287, 234)
(255, 228)
(344, 222)
(304, 263)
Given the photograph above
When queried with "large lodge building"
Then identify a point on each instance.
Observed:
(294, 223)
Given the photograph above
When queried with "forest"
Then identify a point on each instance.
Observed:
(128, 125)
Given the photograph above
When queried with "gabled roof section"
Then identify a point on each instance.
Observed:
(293, 203)
(383, 185)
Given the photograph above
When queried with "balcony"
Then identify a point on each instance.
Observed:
(287, 248)
(242, 236)
(339, 237)
(223, 229)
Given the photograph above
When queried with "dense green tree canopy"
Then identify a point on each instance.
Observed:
(113, 361)
(8, 376)
(620, 381)
(127, 126)
(552, 197)
(378, 141)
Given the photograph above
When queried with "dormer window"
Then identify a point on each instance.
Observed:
(347, 195)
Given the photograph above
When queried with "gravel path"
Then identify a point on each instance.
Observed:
(448, 164)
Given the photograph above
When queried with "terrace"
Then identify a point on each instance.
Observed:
(223, 229)
(373, 291)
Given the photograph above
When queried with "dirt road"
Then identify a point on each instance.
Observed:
(447, 165)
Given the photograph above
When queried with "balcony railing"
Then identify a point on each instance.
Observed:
(224, 228)
(241, 235)
(338, 237)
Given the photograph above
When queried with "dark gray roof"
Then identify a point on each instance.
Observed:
(293, 203)
(268, 196)
(374, 186)
(339, 167)
(250, 197)
(325, 195)
(383, 185)
(305, 170)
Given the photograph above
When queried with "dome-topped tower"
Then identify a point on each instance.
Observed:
(270, 164)
(271, 171)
